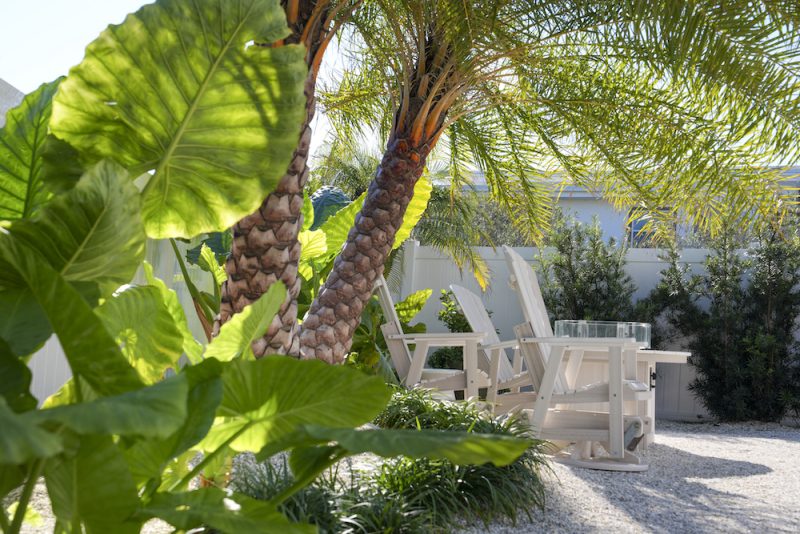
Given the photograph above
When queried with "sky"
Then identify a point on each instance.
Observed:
(41, 39)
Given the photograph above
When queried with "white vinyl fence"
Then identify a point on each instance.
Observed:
(423, 267)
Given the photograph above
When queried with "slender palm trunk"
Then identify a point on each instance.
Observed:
(265, 247)
(333, 317)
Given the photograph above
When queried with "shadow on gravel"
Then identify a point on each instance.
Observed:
(672, 497)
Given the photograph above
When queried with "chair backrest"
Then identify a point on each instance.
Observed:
(477, 317)
(398, 350)
(523, 280)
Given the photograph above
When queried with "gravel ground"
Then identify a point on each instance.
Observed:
(702, 478)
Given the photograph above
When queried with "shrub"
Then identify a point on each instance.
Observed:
(583, 277)
(451, 316)
(671, 307)
(743, 345)
(330, 503)
(448, 492)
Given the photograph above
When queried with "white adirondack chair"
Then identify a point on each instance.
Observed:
(545, 374)
(505, 373)
(410, 364)
(544, 354)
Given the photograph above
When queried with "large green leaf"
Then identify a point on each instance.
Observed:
(337, 226)
(23, 324)
(410, 306)
(21, 140)
(236, 335)
(148, 458)
(208, 262)
(93, 485)
(458, 447)
(416, 208)
(266, 400)
(178, 89)
(143, 326)
(215, 508)
(92, 353)
(16, 383)
(219, 243)
(21, 440)
(308, 213)
(91, 233)
(11, 477)
(155, 411)
(191, 347)
(314, 244)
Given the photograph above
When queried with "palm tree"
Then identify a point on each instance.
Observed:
(652, 103)
(265, 246)
(448, 221)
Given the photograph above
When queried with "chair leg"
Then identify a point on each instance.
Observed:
(471, 368)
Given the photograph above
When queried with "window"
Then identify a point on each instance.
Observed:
(638, 234)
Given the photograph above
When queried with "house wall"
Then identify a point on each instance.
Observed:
(9, 98)
(586, 209)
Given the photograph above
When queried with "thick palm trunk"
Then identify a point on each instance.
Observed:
(265, 249)
(333, 317)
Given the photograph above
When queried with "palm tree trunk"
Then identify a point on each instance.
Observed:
(265, 249)
(329, 325)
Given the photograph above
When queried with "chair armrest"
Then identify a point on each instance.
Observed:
(662, 356)
(511, 344)
(453, 339)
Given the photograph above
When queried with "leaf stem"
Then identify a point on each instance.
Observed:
(307, 479)
(27, 491)
(4, 526)
(199, 306)
(206, 459)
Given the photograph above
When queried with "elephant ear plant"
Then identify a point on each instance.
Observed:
(168, 150)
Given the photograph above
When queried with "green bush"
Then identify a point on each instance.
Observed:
(451, 316)
(745, 353)
(743, 344)
(331, 503)
(583, 277)
(671, 307)
(449, 492)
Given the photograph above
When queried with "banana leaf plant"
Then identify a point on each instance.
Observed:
(142, 155)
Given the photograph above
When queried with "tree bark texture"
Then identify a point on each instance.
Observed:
(265, 247)
(329, 325)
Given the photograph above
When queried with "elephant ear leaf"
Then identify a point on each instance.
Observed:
(215, 508)
(92, 233)
(338, 225)
(416, 208)
(91, 352)
(144, 329)
(251, 323)
(93, 486)
(16, 383)
(265, 401)
(213, 116)
(22, 440)
(21, 143)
